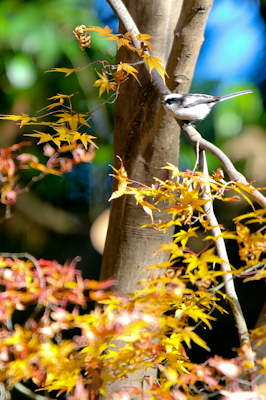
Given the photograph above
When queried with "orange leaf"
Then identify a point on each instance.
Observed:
(106, 31)
(128, 69)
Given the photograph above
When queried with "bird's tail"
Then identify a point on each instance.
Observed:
(229, 96)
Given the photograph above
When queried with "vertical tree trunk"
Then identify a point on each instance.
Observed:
(145, 138)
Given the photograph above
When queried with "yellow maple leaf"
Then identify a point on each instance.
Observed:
(170, 374)
(43, 168)
(24, 118)
(183, 236)
(144, 38)
(122, 181)
(121, 40)
(189, 335)
(257, 216)
(61, 96)
(53, 105)
(44, 137)
(11, 117)
(102, 83)
(72, 119)
(66, 71)
(155, 62)
(85, 139)
(173, 168)
(225, 235)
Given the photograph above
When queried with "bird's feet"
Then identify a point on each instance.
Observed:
(187, 124)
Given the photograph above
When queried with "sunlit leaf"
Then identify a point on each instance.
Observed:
(103, 83)
(66, 71)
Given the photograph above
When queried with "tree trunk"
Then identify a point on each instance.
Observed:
(146, 139)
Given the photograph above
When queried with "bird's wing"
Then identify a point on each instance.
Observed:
(192, 100)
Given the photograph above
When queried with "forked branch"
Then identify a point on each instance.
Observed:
(197, 140)
(200, 145)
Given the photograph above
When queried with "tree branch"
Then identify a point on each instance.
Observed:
(188, 38)
(196, 139)
(222, 253)
(27, 392)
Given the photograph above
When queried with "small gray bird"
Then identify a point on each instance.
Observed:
(194, 107)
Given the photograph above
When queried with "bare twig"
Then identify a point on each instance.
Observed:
(31, 395)
(197, 140)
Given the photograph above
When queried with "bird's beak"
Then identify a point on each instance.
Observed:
(163, 102)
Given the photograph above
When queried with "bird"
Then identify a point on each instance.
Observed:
(194, 107)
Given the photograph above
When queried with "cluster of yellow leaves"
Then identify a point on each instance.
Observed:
(123, 70)
(112, 76)
(252, 245)
(66, 126)
(150, 324)
(181, 197)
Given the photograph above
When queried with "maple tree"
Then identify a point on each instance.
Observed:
(142, 332)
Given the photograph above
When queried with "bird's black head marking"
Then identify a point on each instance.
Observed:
(171, 100)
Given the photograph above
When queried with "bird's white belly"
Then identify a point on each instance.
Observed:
(198, 112)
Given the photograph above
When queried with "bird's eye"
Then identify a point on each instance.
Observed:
(173, 100)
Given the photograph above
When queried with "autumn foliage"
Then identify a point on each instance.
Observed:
(59, 347)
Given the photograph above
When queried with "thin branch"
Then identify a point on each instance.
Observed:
(122, 13)
(199, 143)
(197, 140)
(27, 392)
(222, 253)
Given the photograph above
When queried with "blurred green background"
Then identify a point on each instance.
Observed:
(53, 220)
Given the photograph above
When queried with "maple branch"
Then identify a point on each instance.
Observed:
(196, 139)
(122, 13)
(222, 253)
